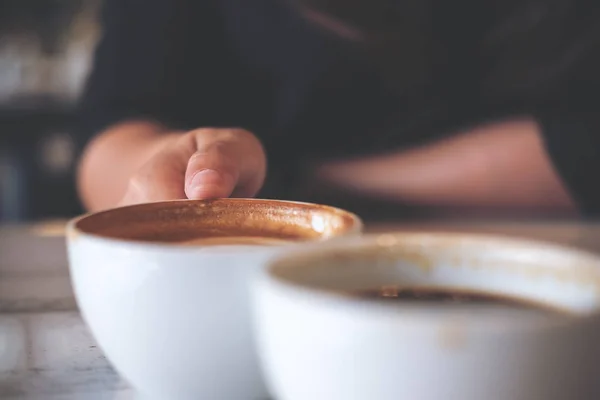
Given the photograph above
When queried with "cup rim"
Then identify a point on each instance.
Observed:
(588, 262)
(74, 231)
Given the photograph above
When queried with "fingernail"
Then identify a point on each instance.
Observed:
(206, 176)
(207, 183)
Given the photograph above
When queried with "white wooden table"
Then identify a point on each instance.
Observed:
(47, 353)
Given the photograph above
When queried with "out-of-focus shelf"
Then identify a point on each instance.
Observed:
(32, 103)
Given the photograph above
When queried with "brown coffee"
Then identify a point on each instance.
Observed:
(220, 221)
(236, 241)
(442, 295)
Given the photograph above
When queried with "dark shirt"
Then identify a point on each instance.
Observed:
(308, 94)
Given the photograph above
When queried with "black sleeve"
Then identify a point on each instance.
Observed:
(570, 123)
(165, 60)
(573, 144)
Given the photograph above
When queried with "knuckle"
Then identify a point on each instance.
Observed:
(137, 185)
(219, 135)
(199, 157)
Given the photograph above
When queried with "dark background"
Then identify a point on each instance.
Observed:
(45, 51)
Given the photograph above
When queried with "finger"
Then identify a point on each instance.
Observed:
(228, 162)
(160, 179)
(212, 172)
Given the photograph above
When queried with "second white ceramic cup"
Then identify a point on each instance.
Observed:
(317, 342)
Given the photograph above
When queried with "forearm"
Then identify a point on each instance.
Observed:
(112, 158)
(499, 165)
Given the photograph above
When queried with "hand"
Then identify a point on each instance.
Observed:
(201, 164)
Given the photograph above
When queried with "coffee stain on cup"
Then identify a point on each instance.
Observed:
(389, 247)
(453, 334)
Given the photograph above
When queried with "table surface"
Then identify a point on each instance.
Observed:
(46, 351)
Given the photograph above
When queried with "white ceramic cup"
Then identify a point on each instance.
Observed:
(174, 319)
(318, 342)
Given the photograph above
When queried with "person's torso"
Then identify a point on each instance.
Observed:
(320, 96)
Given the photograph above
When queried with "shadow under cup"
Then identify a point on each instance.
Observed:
(171, 311)
(348, 346)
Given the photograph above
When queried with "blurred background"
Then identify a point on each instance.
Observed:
(46, 48)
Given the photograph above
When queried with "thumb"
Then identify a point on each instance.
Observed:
(227, 163)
